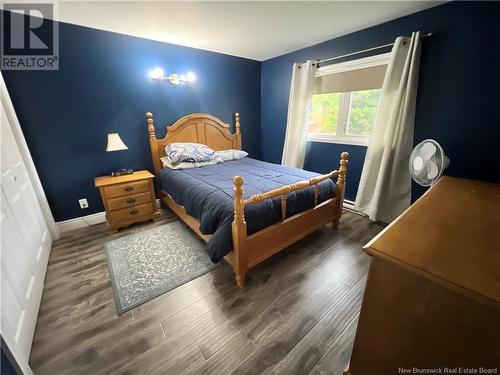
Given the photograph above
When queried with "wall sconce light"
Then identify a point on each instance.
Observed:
(175, 79)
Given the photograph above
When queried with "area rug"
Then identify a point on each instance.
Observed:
(144, 265)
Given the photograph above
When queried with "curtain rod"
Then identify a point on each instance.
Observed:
(362, 51)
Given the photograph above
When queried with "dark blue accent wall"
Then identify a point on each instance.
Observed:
(103, 86)
(5, 365)
(458, 96)
(318, 157)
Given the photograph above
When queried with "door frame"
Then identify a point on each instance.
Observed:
(28, 161)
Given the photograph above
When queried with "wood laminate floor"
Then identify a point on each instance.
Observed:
(297, 314)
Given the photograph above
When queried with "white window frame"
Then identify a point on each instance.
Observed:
(345, 102)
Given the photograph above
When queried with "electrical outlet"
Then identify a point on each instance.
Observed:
(83, 203)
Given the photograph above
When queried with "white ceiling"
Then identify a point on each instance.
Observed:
(251, 29)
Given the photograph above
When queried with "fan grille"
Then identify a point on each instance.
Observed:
(427, 162)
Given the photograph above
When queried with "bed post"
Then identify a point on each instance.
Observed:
(152, 143)
(238, 134)
(340, 188)
(239, 229)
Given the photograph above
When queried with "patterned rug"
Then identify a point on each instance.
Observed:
(144, 265)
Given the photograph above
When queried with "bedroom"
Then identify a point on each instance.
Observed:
(105, 274)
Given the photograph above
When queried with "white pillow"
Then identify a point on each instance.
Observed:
(227, 155)
(180, 151)
(187, 164)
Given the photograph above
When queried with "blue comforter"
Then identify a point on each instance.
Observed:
(207, 194)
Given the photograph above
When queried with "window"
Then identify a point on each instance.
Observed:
(343, 117)
(345, 101)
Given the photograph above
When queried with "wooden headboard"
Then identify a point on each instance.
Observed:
(197, 128)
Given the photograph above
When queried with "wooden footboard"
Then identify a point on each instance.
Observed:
(248, 251)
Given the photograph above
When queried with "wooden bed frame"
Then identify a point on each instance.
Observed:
(249, 250)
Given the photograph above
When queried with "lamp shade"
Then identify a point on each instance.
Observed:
(115, 143)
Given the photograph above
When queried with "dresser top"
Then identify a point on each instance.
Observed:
(453, 233)
(110, 180)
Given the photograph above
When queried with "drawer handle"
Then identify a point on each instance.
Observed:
(133, 212)
(131, 200)
(129, 188)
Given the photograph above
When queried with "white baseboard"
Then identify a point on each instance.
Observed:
(85, 221)
(80, 222)
(349, 206)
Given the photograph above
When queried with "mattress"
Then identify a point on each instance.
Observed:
(207, 194)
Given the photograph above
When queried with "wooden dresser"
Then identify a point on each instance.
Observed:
(128, 199)
(432, 298)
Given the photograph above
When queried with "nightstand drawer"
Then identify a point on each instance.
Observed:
(126, 189)
(129, 201)
(130, 213)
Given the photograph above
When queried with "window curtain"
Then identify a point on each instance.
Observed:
(385, 187)
(299, 106)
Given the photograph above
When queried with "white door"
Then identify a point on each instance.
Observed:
(25, 247)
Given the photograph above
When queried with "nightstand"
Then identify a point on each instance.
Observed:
(128, 199)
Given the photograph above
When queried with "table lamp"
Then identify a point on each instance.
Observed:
(115, 143)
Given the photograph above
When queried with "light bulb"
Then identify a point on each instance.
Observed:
(191, 77)
(157, 73)
(174, 79)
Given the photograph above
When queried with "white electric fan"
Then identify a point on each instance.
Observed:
(427, 162)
